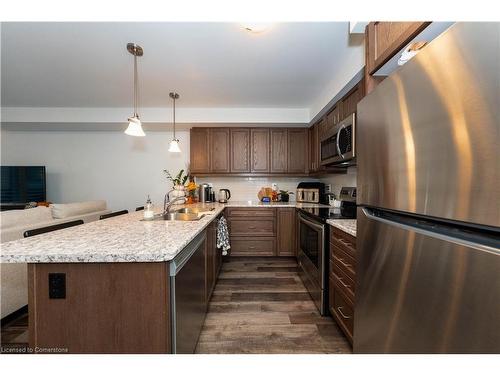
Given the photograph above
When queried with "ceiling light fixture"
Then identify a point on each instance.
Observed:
(257, 27)
(174, 143)
(134, 123)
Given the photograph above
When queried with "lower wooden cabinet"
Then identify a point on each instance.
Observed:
(262, 231)
(342, 279)
(286, 231)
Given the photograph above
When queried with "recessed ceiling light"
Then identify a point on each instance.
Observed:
(257, 27)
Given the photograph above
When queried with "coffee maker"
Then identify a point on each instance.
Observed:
(206, 194)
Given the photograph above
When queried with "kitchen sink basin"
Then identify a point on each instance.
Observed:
(189, 210)
(183, 214)
(176, 216)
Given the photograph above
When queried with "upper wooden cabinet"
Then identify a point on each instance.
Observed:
(314, 147)
(385, 39)
(350, 101)
(279, 150)
(240, 150)
(199, 150)
(259, 154)
(219, 150)
(249, 151)
(297, 151)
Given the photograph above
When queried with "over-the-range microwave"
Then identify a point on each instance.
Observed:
(338, 146)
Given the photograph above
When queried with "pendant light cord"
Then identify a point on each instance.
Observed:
(174, 117)
(136, 98)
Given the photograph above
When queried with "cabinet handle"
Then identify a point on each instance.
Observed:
(343, 283)
(341, 261)
(339, 309)
(252, 228)
(251, 247)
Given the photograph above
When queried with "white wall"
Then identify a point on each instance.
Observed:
(81, 166)
(124, 170)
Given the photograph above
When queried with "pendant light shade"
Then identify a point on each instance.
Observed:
(174, 143)
(134, 127)
(174, 146)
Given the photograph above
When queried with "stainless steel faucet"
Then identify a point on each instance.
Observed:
(167, 205)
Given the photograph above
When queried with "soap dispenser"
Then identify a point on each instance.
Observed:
(148, 210)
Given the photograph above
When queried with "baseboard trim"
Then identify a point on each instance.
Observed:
(14, 315)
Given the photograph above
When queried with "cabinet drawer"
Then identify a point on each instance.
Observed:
(245, 227)
(250, 212)
(343, 261)
(343, 240)
(343, 313)
(248, 246)
(343, 282)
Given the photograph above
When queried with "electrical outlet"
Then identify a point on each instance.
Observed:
(328, 188)
(57, 285)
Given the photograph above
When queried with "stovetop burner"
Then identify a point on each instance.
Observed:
(346, 211)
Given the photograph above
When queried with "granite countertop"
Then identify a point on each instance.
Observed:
(348, 226)
(123, 238)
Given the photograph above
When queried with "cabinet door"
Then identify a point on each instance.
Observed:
(385, 39)
(297, 150)
(279, 145)
(219, 150)
(259, 150)
(240, 150)
(286, 231)
(199, 150)
(313, 148)
(351, 99)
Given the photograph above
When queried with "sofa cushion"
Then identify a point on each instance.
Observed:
(61, 211)
(15, 218)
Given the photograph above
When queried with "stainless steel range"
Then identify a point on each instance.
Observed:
(313, 254)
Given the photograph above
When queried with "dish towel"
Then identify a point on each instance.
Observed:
(223, 236)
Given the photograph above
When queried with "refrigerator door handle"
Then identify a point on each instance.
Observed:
(444, 232)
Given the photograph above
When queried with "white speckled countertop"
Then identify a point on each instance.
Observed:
(348, 226)
(123, 238)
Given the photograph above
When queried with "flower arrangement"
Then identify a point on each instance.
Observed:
(191, 191)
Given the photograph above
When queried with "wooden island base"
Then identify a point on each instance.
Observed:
(108, 308)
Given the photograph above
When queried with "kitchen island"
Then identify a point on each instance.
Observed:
(117, 285)
(123, 285)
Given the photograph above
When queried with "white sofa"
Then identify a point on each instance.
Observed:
(13, 224)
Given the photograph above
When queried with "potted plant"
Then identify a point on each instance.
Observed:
(285, 195)
(178, 183)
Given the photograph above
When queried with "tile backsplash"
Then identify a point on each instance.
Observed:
(246, 188)
(339, 180)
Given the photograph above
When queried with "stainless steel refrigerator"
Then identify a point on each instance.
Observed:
(429, 201)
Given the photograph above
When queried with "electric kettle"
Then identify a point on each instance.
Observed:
(224, 195)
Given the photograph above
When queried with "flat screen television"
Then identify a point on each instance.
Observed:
(23, 184)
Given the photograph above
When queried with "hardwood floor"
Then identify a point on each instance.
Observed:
(14, 336)
(260, 305)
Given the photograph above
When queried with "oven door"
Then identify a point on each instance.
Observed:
(311, 258)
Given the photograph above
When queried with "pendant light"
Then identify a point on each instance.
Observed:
(134, 123)
(174, 143)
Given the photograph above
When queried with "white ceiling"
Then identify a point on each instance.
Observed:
(211, 65)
